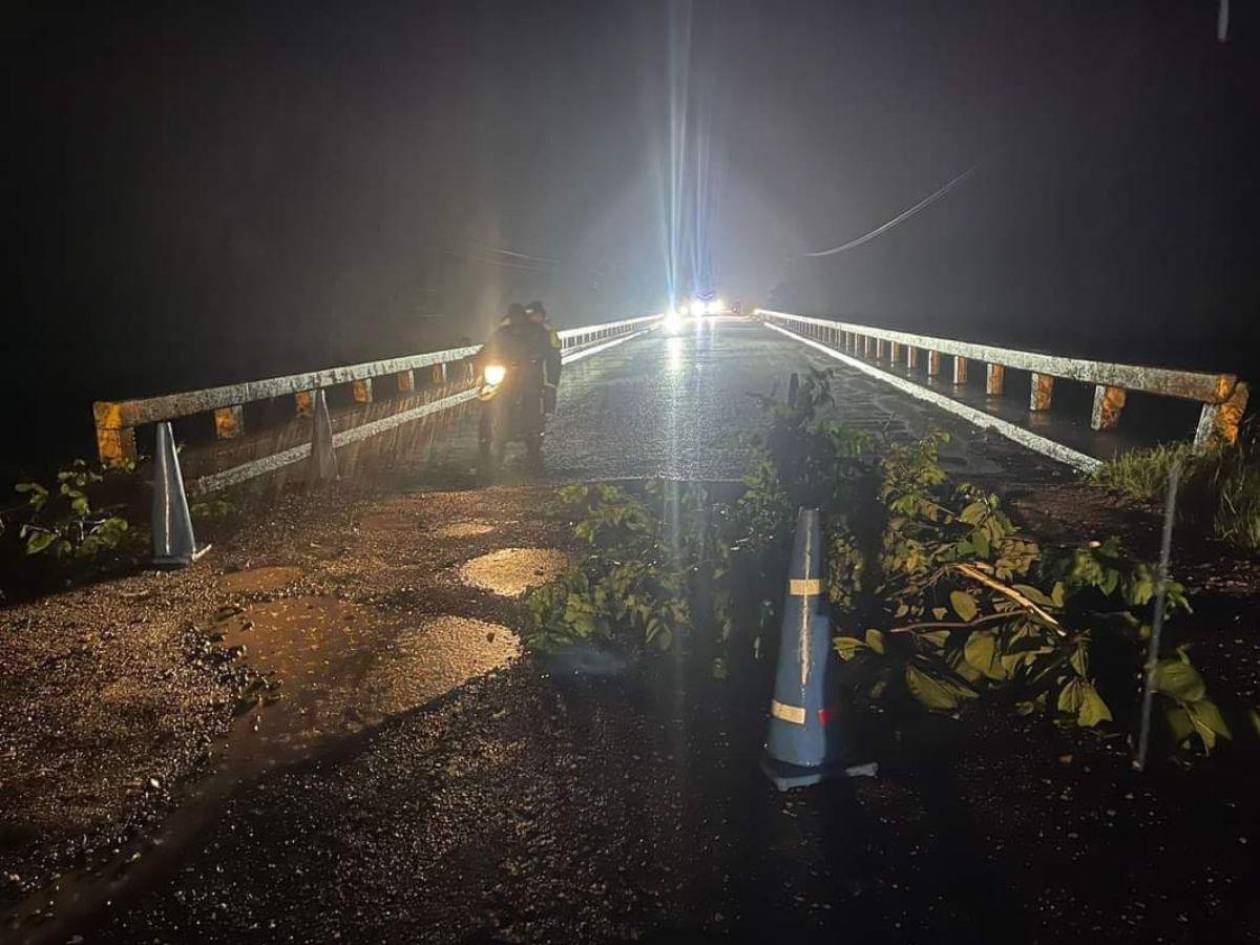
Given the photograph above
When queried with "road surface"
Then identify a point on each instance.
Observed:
(423, 784)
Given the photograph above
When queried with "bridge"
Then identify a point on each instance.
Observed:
(415, 781)
(686, 382)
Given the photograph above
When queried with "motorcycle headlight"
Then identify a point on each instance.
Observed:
(495, 373)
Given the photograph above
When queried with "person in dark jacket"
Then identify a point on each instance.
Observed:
(518, 338)
(538, 315)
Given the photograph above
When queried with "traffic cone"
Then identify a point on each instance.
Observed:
(804, 744)
(173, 543)
(323, 465)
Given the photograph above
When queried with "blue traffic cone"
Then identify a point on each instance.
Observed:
(323, 465)
(173, 543)
(804, 744)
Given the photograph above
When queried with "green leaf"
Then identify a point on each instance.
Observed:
(1071, 696)
(1035, 595)
(1080, 660)
(939, 694)
(1208, 722)
(974, 513)
(847, 647)
(37, 541)
(875, 640)
(1092, 709)
(964, 605)
(1179, 680)
(1059, 595)
(980, 651)
(1179, 723)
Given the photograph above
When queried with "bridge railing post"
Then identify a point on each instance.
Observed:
(960, 370)
(1108, 403)
(994, 379)
(1218, 423)
(1042, 392)
(1223, 396)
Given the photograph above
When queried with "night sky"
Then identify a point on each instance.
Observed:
(207, 193)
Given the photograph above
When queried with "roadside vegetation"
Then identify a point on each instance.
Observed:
(938, 600)
(1220, 488)
(85, 520)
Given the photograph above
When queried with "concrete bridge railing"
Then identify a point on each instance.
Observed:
(449, 374)
(1223, 396)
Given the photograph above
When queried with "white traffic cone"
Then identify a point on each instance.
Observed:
(323, 464)
(173, 543)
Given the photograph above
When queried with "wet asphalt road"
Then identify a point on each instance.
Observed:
(521, 808)
(676, 405)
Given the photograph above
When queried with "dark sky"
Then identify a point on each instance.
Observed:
(204, 193)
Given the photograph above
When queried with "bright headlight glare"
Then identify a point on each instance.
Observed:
(717, 307)
(495, 373)
(683, 310)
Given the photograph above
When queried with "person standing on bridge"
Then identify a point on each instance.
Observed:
(538, 315)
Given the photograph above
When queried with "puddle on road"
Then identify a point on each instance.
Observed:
(512, 571)
(260, 580)
(342, 668)
(463, 530)
(434, 658)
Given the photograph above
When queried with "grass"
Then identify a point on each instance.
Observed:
(1220, 488)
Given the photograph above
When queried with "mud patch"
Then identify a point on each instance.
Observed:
(260, 580)
(512, 571)
(433, 658)
(463, 530)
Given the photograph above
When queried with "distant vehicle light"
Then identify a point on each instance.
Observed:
(673, 320)
(495, 373)
(683, 310)
(717, 307)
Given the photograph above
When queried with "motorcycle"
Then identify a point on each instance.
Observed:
(512, 410)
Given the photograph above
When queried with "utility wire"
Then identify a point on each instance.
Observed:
(904, 215)
(508, 252)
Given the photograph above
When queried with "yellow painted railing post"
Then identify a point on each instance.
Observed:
(406, 382)
(229, 422)
(1108, 402)
(305, 401)
(362, 390)
(1042, 392)
(1218, 423)
(994, 379)
(115, 444)
(960, 370)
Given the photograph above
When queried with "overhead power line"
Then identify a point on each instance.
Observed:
(904, 215)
